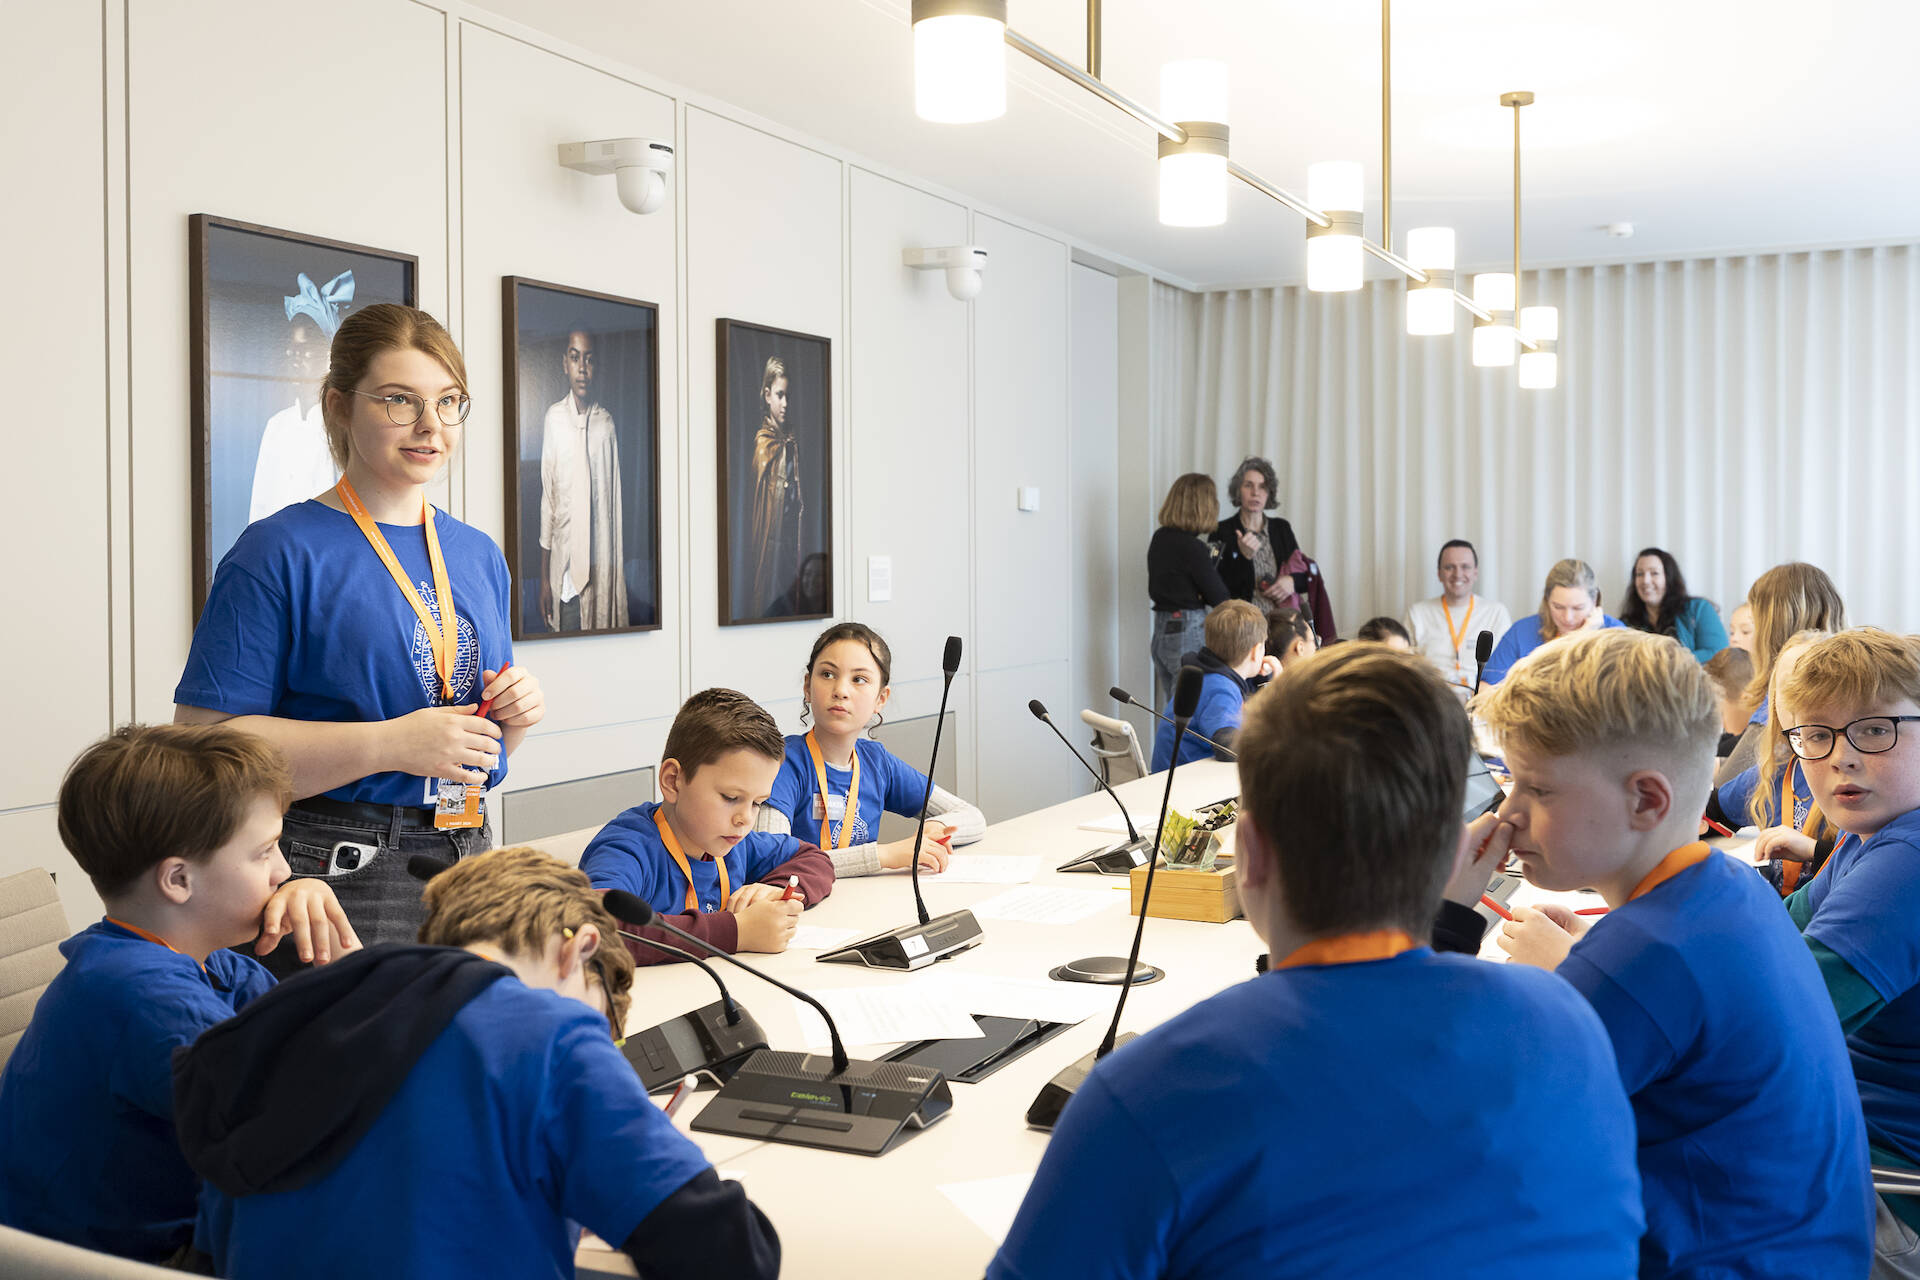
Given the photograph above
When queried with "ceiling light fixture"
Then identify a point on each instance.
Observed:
(959, 60)
(1193, 173)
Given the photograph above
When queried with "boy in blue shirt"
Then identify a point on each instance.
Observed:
(1752, 1153)
(1367, 1108)
(452, 1109)
(1854, 705)
(694, 855)
(1235, 652)
(178, 828)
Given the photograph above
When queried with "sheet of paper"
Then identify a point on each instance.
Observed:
(1044, 906)
(1038, 998)
(990, 1203)
(888, 1015)
(988, 868)
(1115, 825)
(818, 937)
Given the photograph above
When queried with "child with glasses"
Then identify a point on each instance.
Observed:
(1855, 700)
(361, 630)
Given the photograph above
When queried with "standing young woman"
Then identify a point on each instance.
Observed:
(1659, 603)
(1261, 560)
(360, 632)
(1183, 576)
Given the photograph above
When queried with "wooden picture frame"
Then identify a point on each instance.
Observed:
(776, 530)
(617, 438)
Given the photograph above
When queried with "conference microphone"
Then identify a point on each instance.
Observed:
(1482, 650)
(1119, 860)
(712, 1040)
(913, 946)
(1121, 695)
(1054, 1095)
(843, 1104)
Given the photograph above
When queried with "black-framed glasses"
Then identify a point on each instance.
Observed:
(405, 408)
(1869, 734)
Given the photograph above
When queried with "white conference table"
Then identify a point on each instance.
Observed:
(843, 1215)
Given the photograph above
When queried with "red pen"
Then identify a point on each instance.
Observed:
(1495, 907)
(1717, 827)
(681, 1092)
(1593, 911)
(487, 705)
(793, 882)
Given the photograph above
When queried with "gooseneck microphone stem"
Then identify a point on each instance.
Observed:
(726, 997)
(950, 663)
(635, 910)
(1186, 696)
(1122, 696)
(1482, 650)
(1040, 713)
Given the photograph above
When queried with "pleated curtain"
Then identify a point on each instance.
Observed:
(1737, 411)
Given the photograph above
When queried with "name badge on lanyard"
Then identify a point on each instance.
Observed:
(455, 804)
(852, 806)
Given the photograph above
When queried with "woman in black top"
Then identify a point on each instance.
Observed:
(1182, 580)
(1261, 560)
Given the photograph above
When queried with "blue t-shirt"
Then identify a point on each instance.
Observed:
(304, 623)
(1222, 702)
(888, 784)
(1752, 1154)
(520, 1117)
(1736, 797)
(1522, 638)
(1379, 1119)
(629, 854)
(88, 1152)
(1865, 904)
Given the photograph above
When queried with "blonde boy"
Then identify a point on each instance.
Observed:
(1235, 653)
(1752, 1157)
(1855, 702)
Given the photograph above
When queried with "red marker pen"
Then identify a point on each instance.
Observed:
(1495, 907)
(487, 705)
(1593, 911)
(1717, 827)
(793, 882)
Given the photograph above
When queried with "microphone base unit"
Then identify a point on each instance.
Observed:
(1119, 860)
(700, 1042)
(799, 1098)
(1110, 971)
(1057, 1092)
(912, 946)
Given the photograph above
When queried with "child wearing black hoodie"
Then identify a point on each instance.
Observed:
(1234, 655)
(454, 1109)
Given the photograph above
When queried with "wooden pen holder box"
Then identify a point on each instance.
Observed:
(1180, 893)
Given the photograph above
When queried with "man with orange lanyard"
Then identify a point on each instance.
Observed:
(1446, 628)
(362, 630)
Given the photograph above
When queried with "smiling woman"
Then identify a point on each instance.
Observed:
(332, 630)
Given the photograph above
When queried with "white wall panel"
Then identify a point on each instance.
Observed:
(1095, 576)
(1023, 767)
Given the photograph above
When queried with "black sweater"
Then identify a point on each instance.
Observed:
(1182, 571)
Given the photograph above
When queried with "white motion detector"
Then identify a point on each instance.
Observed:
(639, 167)
(963, 264)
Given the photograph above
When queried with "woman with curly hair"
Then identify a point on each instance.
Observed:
(1261, 560)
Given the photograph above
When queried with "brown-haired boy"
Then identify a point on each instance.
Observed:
(1752, 1155)
(1855, 699)
(475, 1077)
(693, 854)
(1235, 652)
(1375, 1106)
(178, 828)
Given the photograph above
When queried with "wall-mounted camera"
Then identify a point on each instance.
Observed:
(639, 167)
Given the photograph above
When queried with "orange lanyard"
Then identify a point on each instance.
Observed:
(442, 635)
(1458, 637)
(686, 868)
(1347, 948)
(1687, 855)
(853, 796)
(137, 931)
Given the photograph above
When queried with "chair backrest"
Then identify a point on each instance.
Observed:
(32, 926)
(1117, 748)
(24, 1256)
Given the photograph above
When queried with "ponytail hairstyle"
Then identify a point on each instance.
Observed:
(863, 634)
(365, 335)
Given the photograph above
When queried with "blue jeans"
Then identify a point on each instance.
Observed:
(1176, 633)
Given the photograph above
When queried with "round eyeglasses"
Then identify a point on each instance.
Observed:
(405, 408)
(1869, 734)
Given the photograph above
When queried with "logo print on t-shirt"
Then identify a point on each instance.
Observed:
(466, 658)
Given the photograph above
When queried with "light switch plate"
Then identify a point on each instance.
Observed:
(879, 579)
(1029, 497)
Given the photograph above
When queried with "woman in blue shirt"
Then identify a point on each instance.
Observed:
(360, 631)
(1658, 602)
(1569, 602)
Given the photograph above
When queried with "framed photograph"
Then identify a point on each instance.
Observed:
(776, 475)
(583, 460)
(265, 306)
